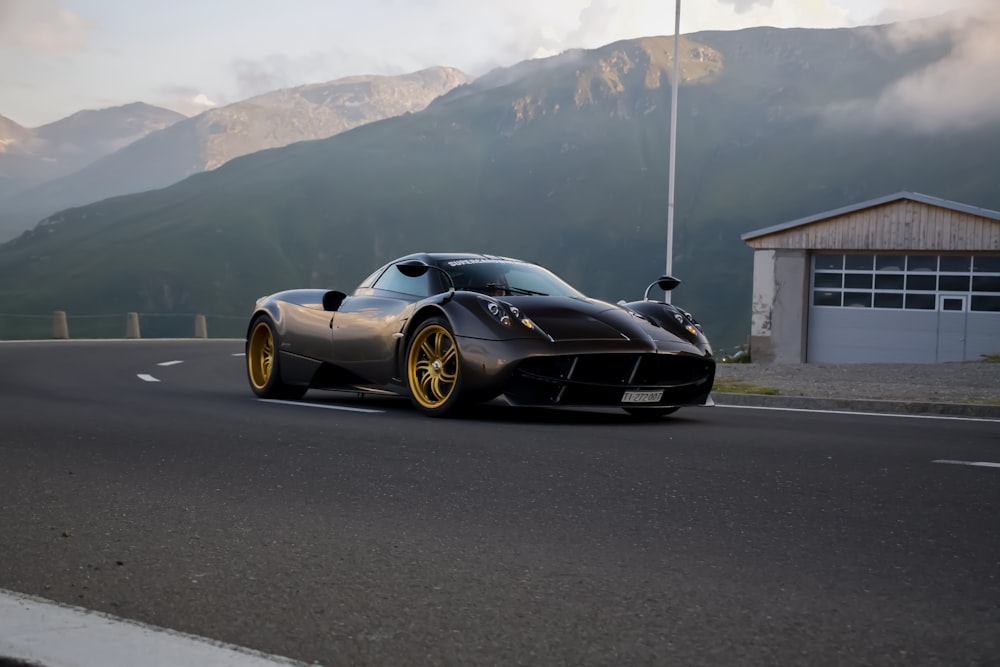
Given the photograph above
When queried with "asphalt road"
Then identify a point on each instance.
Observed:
(722, 536)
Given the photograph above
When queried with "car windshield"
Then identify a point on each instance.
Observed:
(498, 277)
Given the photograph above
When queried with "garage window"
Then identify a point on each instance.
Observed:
(888, 300)
(986, 303)
(986, 264)
(986, 283)
(910, 282)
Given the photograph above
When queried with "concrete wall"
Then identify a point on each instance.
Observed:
(780, 302)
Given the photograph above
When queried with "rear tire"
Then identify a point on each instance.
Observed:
(264, 363)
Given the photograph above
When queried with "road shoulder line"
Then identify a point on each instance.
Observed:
(48, 633)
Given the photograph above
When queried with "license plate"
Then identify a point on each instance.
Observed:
(642, 396)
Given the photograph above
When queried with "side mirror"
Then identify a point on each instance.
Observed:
(665, 283)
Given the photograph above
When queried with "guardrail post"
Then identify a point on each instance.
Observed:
(132, 325)
(200, 327)
(60, 330)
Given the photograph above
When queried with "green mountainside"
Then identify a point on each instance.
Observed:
(562, 161)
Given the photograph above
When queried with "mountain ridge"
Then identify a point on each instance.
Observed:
(31, 156)
(216, 136)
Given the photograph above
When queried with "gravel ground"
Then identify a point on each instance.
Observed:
(965, 382)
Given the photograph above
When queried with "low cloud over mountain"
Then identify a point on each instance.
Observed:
(958, 91)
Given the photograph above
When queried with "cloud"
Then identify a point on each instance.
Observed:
(41, 26)
(896, 11)
(513, 31)
(477, 37)
(743, 6)
(603, 21)
(593, 19)
(276, 71)
(201, 100)
(184, 99)
(255, 77)
(959, 91)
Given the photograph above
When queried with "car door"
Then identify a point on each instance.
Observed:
(368, 324)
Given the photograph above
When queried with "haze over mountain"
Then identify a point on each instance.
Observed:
(32, 156)
(216, 136)
(562, 161)
(11, 133)
(15, 169)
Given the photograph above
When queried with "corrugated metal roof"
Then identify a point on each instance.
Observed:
(899, 196)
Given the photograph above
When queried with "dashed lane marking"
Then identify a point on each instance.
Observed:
(980, 464)
(319, 405)
(39, 631)
(145, 377)
(169, 363)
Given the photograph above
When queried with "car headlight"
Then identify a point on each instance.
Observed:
(505, 313)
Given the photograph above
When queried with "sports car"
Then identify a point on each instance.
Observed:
(452, 329)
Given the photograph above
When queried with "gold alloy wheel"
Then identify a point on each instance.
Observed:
(260, 355)
(432, 366)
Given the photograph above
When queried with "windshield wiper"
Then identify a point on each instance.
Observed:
(521, 290)
(486, 289)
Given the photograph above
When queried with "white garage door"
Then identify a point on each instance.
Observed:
(917, 308)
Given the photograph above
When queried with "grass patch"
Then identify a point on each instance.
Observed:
(736, 387)
(992, 358)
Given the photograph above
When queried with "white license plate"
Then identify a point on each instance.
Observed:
(642, 396)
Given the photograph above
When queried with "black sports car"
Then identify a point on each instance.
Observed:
(450, 329)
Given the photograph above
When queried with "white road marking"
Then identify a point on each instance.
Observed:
(865, 414)
(982, 464)
(169, 363)
(239, 354)
(146, 378)
(47, 633)
(319, 405)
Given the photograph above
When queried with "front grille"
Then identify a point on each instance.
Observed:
(655, 370)
(668, 369)
(599, 379)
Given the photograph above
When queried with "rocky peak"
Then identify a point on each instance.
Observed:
(11, 133)
(618, 74)
(315, 111)
(109, 129)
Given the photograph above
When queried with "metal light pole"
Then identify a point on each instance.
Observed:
(673, 147)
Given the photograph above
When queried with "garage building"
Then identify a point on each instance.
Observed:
(901, 279)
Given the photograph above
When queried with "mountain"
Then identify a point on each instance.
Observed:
(74, 139)
(11, 133)
(16, 170)
(561, 160)
(218, 135)
(32, 156)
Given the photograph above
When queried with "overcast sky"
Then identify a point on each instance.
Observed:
(61, 56)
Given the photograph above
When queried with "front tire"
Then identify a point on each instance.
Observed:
(433, 369)
(263, 363)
